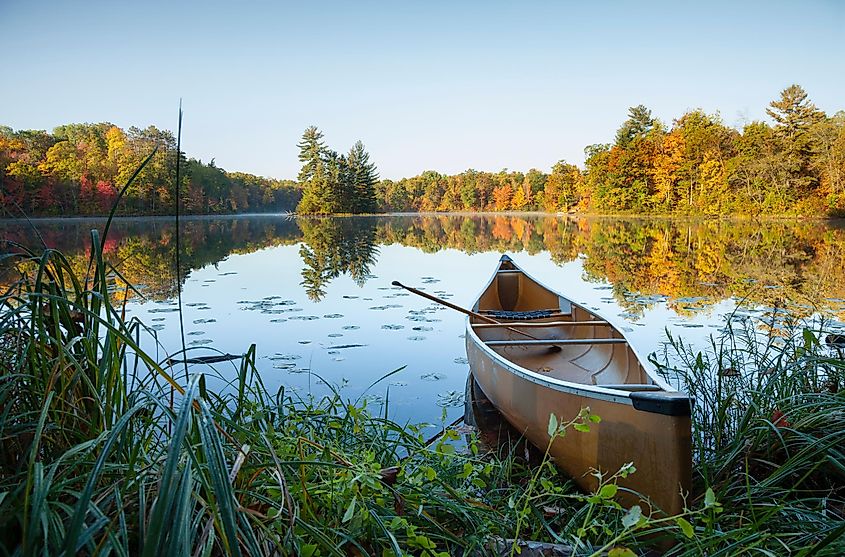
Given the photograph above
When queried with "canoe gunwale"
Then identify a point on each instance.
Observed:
(580, 389)
(569, 387)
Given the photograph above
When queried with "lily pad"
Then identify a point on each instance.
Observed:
(450, 399)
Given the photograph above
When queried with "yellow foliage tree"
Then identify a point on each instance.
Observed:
(713, 184)
(667, 161)
(519, 199)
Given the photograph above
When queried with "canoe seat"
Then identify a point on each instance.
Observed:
(521, 315)
(631, 386)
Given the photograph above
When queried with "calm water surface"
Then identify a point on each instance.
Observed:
(314, 295)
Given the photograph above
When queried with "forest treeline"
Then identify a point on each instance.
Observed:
(698, 165)
(794, 165)
(78, 169)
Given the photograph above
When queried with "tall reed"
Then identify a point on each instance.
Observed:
(768, 437)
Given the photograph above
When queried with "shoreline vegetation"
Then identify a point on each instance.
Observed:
(109, 451)
(697, 166)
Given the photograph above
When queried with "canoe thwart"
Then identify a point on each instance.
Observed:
(556, 342)
(667, 403)
(544, 324)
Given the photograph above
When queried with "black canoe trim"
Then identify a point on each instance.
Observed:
(668, 404)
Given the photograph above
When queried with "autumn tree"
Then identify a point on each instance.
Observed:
(520, 198)
(561, 187)
(502, 197)
(468, 190)
(664, 171)
(534, 183)
(827, 138)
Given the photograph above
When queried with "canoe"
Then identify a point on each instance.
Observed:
(580, 360)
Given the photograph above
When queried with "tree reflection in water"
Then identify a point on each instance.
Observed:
(334, 246)
(691, 263)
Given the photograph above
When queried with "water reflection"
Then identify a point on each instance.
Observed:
(689, 265)
(334, 246)
(315, 294)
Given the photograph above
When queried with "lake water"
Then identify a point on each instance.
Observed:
(315, 294)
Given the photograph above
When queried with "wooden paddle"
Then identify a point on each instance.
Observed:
(467, 312)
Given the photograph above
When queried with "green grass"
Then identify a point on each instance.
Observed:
(768, 438)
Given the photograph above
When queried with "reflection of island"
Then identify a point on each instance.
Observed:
(693, 263)
(333, 246)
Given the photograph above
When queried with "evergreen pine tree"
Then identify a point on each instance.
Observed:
(338, 193)
(363, 177)
(793, 113)
(333, 183)
(639, 122)
(316, 192)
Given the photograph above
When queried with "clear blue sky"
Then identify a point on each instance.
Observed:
(425, 85)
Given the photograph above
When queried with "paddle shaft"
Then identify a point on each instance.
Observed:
(460, 309)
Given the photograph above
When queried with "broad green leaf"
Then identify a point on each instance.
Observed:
(608, 491)
(350, 511)
(621, 552)
(685, 527)
(709, 498)
(632, 517)
(553, 424)
(584, 428)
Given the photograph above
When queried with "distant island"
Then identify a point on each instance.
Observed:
(696, 166)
